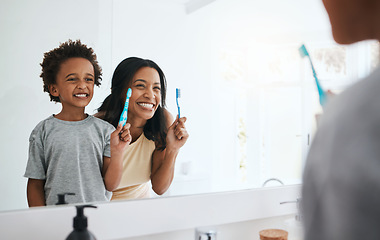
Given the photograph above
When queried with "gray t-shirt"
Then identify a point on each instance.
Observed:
(69, 156)
(341, 183)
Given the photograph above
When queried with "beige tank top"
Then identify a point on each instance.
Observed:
(137, 163)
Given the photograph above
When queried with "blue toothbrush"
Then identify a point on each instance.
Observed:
(178, 95)
(124, 114)
(322, 94)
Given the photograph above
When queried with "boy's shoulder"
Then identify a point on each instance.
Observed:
(101, 125)
(52, 122)
(40, 128)
(43, 123)
(101, 122)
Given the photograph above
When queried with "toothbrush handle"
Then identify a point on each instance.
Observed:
(179, 109)
(124, 114)
(322, 94)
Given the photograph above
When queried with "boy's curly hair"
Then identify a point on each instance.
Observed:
(54, 58)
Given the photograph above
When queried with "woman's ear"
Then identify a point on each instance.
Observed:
(53, 90)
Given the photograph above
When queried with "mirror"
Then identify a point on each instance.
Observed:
(249, 97)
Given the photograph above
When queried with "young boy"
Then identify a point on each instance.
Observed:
(73, 152)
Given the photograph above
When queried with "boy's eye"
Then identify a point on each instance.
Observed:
(89, 79)
(71, 79)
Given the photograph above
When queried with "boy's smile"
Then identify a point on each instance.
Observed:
(74, 85)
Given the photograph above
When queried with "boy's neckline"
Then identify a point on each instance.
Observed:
(70, 120)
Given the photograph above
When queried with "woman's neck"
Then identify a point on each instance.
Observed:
(137, 127)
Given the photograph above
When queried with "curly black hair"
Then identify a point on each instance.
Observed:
(54, 58)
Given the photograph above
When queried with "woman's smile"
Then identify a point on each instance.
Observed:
(149, 106)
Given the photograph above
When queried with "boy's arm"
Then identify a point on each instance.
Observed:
(35, 192)
(113, 166)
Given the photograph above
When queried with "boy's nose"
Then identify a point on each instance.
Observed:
(81, 85)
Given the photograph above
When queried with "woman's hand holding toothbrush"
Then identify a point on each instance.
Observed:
(177, 134)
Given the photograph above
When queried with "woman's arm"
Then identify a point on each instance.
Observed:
(113, 166)
(163, 161)
(35, 192)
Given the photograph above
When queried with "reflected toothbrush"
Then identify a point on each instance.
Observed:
(322, 95)
(178, 95)
(124, 114)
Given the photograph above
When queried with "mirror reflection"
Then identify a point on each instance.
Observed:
(249, 97)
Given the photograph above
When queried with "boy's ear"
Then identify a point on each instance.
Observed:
(53, 90)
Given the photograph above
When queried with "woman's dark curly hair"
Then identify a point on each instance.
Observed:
(54, 58)
(155, 128)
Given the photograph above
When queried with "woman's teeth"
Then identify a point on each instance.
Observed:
(147, 105)
(80, 95)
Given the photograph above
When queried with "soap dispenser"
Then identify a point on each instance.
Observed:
(80, 231)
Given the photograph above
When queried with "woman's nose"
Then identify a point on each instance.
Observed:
(149, 93)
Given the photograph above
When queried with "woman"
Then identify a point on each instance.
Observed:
(156, 138)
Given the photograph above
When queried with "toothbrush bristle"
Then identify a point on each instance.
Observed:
(178, 92)
(129, 92)
(303, 51)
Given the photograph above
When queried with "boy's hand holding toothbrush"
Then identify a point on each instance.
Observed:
(121, 136)
(113, 167)
(120, 139)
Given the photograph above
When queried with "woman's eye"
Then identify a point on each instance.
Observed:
(157, 89)
(140, 85)
(71, 79)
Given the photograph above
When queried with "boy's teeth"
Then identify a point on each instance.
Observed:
(80, 95)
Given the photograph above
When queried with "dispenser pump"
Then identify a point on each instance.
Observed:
(61, 198)
(80, 231)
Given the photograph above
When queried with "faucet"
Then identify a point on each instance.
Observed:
(272, 179)
(299, 209)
